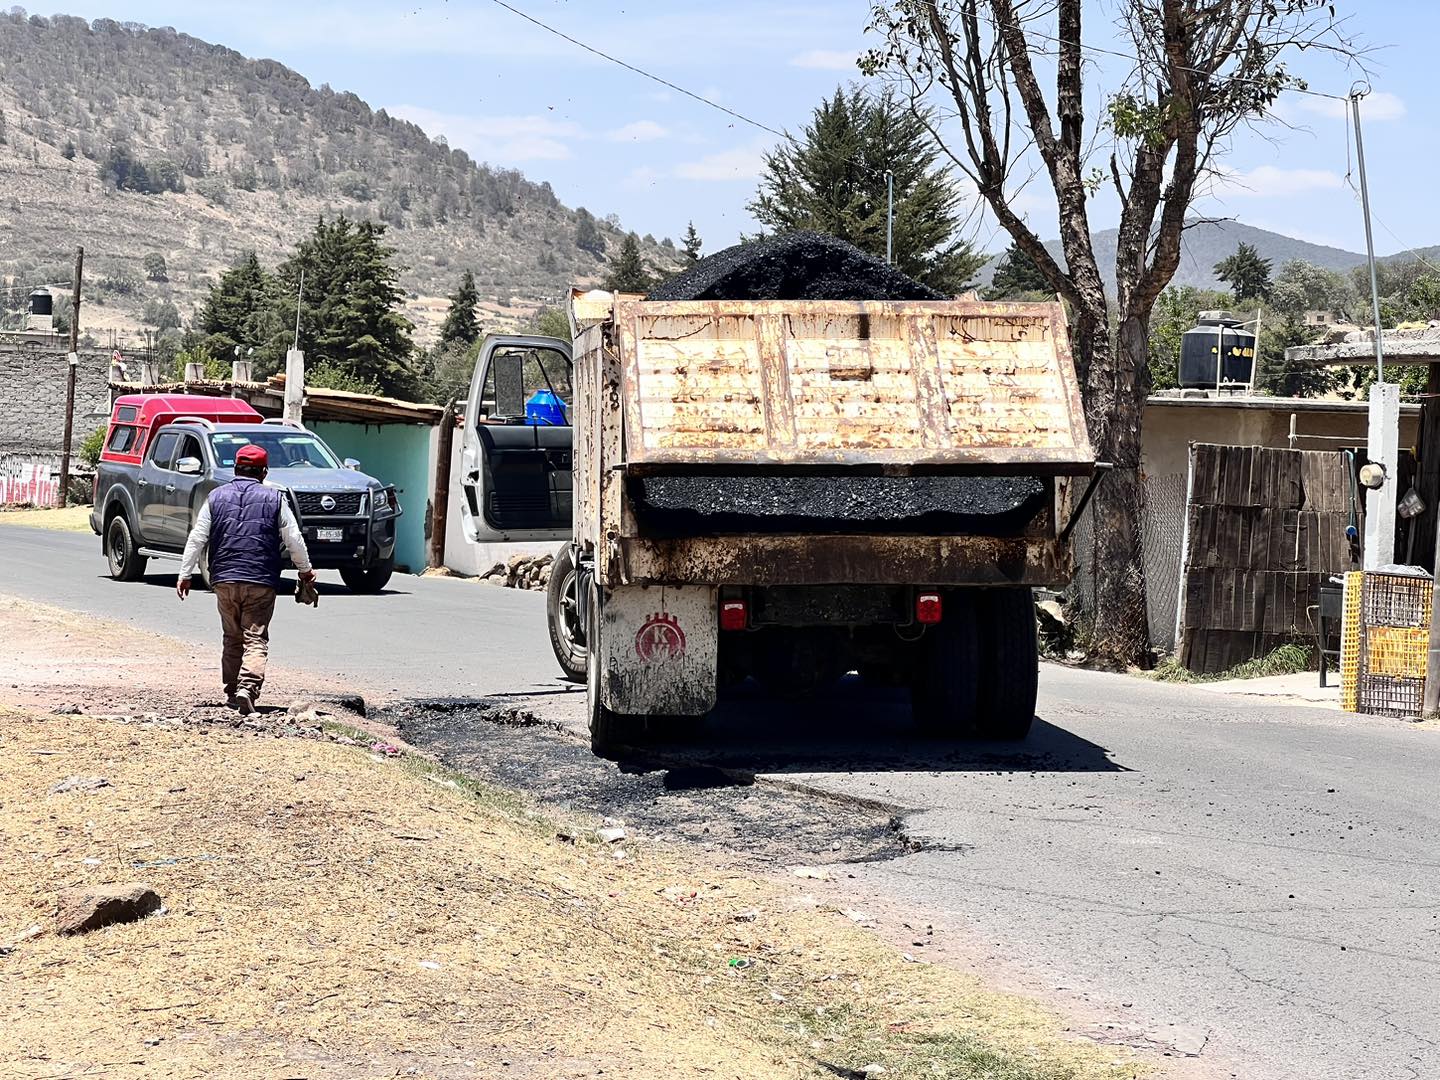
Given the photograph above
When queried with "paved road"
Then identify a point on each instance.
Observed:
(1265, 879)
(421, 637)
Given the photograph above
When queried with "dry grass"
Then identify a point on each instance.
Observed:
(333, 913)
(69, 519)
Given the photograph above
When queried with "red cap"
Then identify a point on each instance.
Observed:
(253, 455)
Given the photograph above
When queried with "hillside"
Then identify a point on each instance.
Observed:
(234, 153)
(1206, 243)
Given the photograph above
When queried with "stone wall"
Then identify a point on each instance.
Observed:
(32, 402)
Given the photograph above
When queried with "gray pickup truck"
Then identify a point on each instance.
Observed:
(144, 509)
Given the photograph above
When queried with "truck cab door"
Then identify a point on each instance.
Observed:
(515, 470)
(180, 508)
(154, 486)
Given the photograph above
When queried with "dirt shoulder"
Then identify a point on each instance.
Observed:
(69, 519)
(336, 908)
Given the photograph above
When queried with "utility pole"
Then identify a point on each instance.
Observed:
(294, 406)
(1383, 439)
(74, 361)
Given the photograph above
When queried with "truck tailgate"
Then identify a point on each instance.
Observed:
(957, 386)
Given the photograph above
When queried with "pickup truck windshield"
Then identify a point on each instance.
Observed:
(286, 449)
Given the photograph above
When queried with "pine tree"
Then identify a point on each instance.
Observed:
(587, 233)
(462, 324)
(3, 139)
(240, 309)
(627, 269)
(833, 181)
(691, 244)
(155, 268)
(351, 314)
(69, 152)
(1017, 275)
(1247, 274)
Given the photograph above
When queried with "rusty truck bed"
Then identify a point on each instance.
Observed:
(781, 388)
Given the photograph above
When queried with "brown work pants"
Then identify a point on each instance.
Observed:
(245, 613)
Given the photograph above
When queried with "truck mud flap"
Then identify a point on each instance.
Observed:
(658, 650)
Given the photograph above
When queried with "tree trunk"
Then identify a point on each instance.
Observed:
(1114, 407)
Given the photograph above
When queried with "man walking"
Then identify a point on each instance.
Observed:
(243, 523)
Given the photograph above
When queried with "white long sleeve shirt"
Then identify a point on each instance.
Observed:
(199, 540)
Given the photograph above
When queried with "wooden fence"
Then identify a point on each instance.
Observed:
(1263, 529)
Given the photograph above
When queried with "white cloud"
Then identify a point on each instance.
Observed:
(638, 131)
(1272, 182)
(496, 138)
(1375, 107)
(825, 60)
(739, 163)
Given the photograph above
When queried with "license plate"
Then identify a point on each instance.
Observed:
(329, 534)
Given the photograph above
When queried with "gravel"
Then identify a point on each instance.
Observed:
(793, 266)
(980, 505)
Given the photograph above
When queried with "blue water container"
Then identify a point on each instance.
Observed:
(545, 408)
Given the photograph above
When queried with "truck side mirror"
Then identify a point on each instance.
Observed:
(351, 463)
(188, 465)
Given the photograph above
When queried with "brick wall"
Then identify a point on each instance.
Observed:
(32, 402)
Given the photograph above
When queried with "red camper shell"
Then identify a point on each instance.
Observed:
(135, 416)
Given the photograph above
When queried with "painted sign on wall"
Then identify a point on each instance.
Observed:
(27, 482)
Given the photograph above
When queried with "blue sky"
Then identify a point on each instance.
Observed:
(605, 138)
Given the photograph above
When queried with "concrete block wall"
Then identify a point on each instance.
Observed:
(32, 402)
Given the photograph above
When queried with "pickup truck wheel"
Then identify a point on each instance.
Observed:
(610, 731)
(1010, 660)
(126, 563)
(367, 581)
(944, 691)
(567, 636)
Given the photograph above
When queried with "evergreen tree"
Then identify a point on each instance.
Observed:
(1016, 275)
(627, 269)
(351, 313)
(587, 233)
(462, 324)
(691, 244)
(240, 309)
(3, 139)
(1247, 274)
(69, 152)
(833, 181)
(155, 268)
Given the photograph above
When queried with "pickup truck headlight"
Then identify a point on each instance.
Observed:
(384, 500)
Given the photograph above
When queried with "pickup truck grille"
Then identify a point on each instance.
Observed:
(346, 503)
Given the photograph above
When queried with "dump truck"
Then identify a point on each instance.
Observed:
(791, 492)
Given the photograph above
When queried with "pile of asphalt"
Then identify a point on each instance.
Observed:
(812, 266)
(792, 266)
(717, 505)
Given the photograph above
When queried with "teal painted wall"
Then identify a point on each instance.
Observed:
(396, 454)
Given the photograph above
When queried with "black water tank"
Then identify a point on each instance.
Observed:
(41, 302)
(1216, 343)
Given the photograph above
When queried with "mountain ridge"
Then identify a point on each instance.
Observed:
(130, 139)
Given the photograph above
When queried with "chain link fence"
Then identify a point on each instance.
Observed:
(1162, 532)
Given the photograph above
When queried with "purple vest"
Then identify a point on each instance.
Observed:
(245, 533)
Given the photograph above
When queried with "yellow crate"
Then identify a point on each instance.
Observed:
(1397, 650)
(1350, 641)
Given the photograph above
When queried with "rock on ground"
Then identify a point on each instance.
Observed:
(93, 907)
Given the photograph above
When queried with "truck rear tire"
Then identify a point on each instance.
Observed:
(1010, 662)
(567, 636)
(126, 563)
(609, 731)
(367, 581)
(944, 691)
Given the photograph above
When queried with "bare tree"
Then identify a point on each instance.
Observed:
(1195, 71)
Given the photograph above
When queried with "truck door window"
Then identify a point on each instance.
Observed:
(521, 378)
(189, 447)
(162, 452)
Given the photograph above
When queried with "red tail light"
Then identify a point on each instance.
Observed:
(928, 608)
(734, 615)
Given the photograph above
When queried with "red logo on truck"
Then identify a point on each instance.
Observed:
(660, 638)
